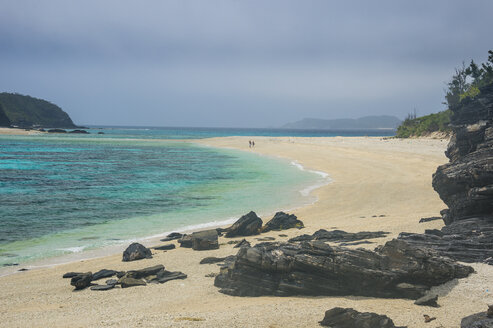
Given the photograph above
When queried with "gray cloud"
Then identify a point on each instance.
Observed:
(237, 63)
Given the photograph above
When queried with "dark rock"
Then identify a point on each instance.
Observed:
(282, 221)
(428, 300)
(100, 132)
(467, 240)
(361, 242)
(103, 274)
(212, 260)
(142, 273)
(111, 282)
(242, 243)
(395, 270)
(205, 240)
(282, 235)
(126, 282)
(165, 276)
(433, 218)
(79, 131)
(478, 320)
(340, 236)
(57, 131)
(165, 247)
(185, 241)
(211, 275)
(71, 274)
(172, 236)
(266, 239)
(120, 274)
(135, 252)
(102, 287)
(349, 318)
(23, 269)
(10, 264)
(248, 225)
(82, 280)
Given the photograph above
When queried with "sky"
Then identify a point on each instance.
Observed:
(248, 63)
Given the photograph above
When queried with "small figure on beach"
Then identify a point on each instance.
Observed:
(253, 144)
(249, 143)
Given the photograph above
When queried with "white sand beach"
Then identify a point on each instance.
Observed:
(377, 184)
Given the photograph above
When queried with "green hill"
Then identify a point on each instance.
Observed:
(25, 111)
(422, 126)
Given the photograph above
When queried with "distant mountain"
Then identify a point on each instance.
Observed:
(367, 122)
(25, 111)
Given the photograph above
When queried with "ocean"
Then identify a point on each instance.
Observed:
(66, 194)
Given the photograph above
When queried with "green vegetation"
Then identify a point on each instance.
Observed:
(467, 81)
(26, 111)
(420, 126)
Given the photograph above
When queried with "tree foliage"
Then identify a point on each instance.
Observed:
(467, 81)
(420, 126)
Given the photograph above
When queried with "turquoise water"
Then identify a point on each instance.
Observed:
(66, 194)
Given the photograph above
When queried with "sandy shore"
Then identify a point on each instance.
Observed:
(18, 132)
(371, 177)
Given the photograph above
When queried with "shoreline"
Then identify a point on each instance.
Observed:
(370, 177)
(154, 239)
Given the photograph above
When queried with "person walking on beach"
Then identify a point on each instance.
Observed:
(253, 144)
(249, 143)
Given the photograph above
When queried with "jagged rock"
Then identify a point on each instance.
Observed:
(71, 274)
(248, 225)
(266, 239)
(340, 236)
(165, 276)
(165, 247)
(126, 282)
(361, 242)
(212, 260)
(142, 273)
(433, 218)
(104, 274)
(349, 318)
(135, 252)
(478, 320)
(205, 240)
(282, 221)
(82, 280)
(428, 300)
(467, 240)
(102, 287)
(172, 236)
(242, 243)
(395, 270)
(185, 241)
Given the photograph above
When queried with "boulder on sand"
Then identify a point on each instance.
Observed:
(81, 280)
(135, 252)
(349, 318)
(282, 221)
(185, 241)
(248, 225)
(205, 240)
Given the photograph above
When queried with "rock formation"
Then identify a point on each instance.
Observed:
(282, 221)
(248, 225)
(349, 318)
(395, 270)
(339, 236)
(205, 240)
(465, 184)
(135, 252)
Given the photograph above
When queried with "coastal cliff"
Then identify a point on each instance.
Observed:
(465, 184)
(26, 112)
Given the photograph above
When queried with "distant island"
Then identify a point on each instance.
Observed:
(22, 111)
(367, 122)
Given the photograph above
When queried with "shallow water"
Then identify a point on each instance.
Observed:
(66, 194)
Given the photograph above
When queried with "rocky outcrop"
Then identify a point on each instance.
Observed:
(135, 252)
(81, 280)
(339, 236)
(248, 225)
(465, 184)
(395, 270)
(172, 236)
(349, 318)
(282, 221)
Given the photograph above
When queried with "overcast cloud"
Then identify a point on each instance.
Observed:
(238, 63)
